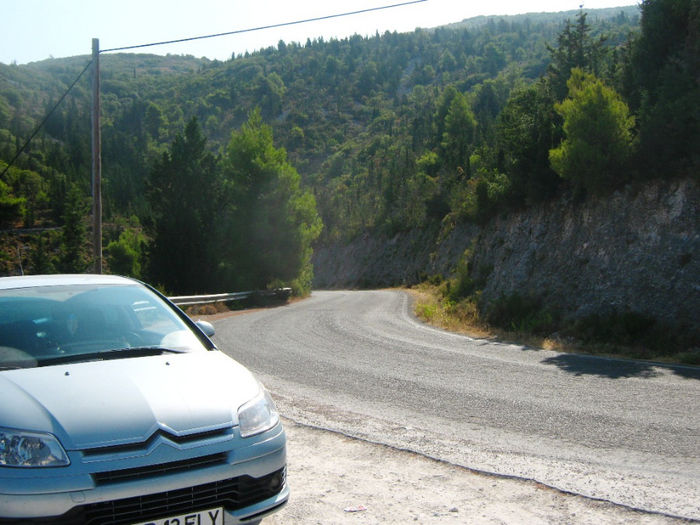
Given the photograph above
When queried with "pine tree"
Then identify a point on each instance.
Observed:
(182, 192)
(272, 220)
(575, 49)
(74, 242)
(597, 126)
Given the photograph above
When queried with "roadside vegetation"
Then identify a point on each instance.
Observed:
(526, 321)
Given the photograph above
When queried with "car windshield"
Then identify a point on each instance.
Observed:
(45, 325)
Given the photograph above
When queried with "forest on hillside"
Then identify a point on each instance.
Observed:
(240, 166)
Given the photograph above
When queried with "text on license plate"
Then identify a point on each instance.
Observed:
(203, 517)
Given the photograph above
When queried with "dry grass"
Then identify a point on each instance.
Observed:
(430, 305)
(463, 318)
(206, 309)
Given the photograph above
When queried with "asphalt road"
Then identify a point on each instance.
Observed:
(359, 363)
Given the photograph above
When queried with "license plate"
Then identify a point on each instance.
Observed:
(203, 517)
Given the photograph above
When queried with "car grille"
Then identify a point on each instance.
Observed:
(180, 440)
(117, 476)
(232, 494)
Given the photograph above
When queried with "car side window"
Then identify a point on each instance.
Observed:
(152, 317)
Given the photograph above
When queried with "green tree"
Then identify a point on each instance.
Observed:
(443, 107)
(273, 221)
(30, 185)
(598, 131)
(41, 260)
(576, 48)
(494, 58)
(271, 91)
(74, 243)
(124, 254)
(11, 207)
(528, 127)
(182, 191)
(663, 85)
(154, 120)
(458, 135)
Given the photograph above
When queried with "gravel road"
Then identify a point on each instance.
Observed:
(358, 363)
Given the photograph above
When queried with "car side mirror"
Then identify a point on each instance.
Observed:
(206, 327)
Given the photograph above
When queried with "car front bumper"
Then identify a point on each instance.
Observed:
(259, 469)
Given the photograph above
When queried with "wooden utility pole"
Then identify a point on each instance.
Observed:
(96, 159)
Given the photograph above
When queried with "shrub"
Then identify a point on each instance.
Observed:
(462, 285)
(521, 313)
(426, 311)
(634, 330)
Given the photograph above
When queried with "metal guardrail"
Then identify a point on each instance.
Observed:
(191, 300)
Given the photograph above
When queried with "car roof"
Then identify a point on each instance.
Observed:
(28, 281)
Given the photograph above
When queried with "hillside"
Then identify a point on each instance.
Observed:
(333, 105)
(412, 135)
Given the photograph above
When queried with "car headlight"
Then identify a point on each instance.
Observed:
(258, 415)
(30, 449)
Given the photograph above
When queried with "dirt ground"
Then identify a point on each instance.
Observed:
(339, 480)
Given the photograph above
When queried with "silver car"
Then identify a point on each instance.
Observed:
(116, 408)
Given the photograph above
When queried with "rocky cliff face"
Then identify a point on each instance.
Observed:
(636, 250)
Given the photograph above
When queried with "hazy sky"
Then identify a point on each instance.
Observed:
(38, 29)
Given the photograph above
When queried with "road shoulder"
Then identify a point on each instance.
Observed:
(336, 479)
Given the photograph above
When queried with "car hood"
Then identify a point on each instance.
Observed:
(115, 402)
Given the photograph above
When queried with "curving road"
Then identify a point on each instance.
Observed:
(359, 363)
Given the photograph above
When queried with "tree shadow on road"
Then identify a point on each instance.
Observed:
(582, 365)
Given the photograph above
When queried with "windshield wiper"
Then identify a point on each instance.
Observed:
(116, 353)
(148, 350)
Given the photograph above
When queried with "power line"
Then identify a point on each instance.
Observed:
(271, 26)
(41, 124)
